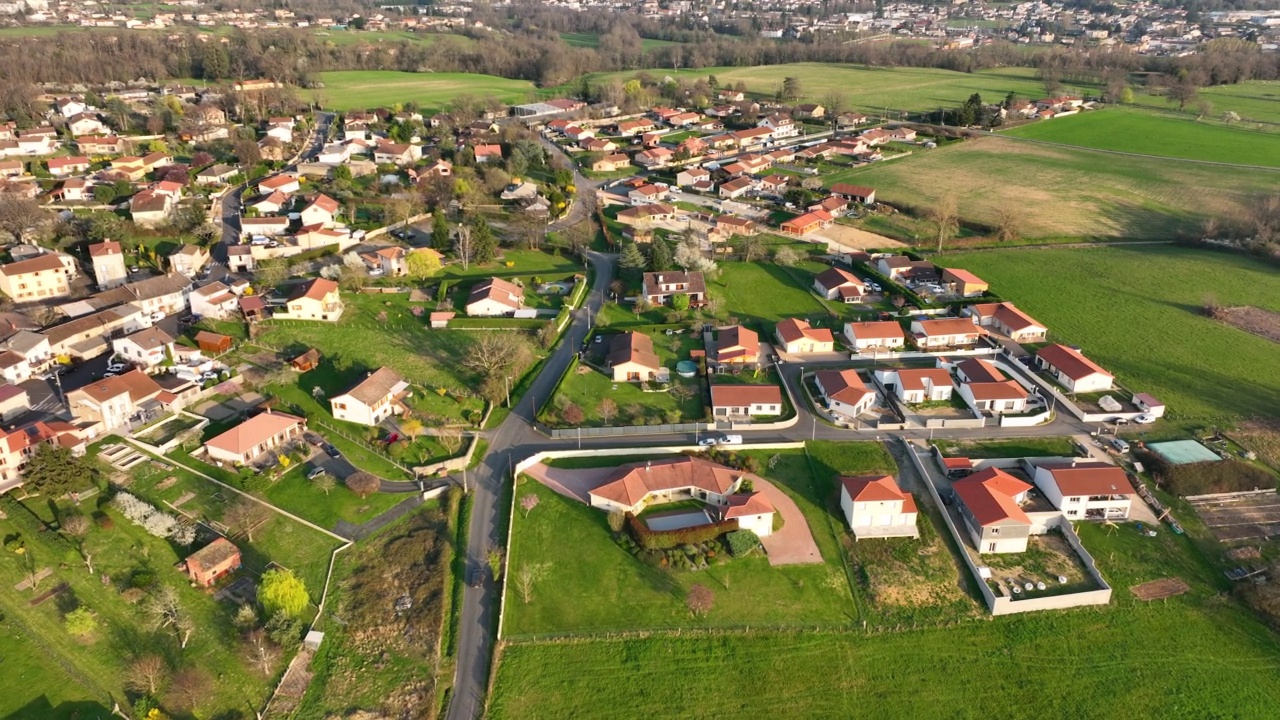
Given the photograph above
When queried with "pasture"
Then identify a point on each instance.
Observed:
(1255, 100)
(1075, 193)
(1151, 133)
(592, 40)
(1136, 311)
(358, 89)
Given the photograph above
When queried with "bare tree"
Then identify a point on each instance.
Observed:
(608, 409)
(147, 674)
(699, 600)
(463, 245)
(244, 516)
(528, 503)
(260, 652)
(493, 353)
(75, 525)
(450, 438)
(325, 483)
(189, 688)
(19, 215)
(164, 611)
(398, 209)
(363, 484)
(1009, 222)
(946, 217)
(526, 577)
(786, 255)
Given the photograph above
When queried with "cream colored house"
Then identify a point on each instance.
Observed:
(188, 260)
(631, 358)
(108, 264)
(798, 337)
(372, 400)
(252, 438)
(875, 507)
(317, 299)
(41, 277)
(875, 335)
(1087, 490)
(146, 348)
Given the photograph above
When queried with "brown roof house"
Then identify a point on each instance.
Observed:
(875, 507)
(991, 504)
(844, 392)
(1006, 318)
(797, 336)
(372, 400)
(659, 287)
(110, 403)
(1087, 490)
(737, 345)
(632, 359)
(636, 486)
(1073, 370)
(212, 562)
(250, 439)
(108, 264)
(494, 297)
(840, 284)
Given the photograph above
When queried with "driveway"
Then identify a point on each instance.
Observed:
(573, 484)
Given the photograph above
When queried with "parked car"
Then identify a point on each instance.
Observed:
(477, 577)
(1120, 445)
(313, 438)
(315, 473)
(115, 367)
(709, 441)
(332, 451)
(157, 316)
(1145, 419)
(210, 375)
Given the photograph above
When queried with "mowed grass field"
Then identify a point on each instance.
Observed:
(1136, 311)
(357, 89)
(1066, 192)
(1256, 100)
(1151, 133)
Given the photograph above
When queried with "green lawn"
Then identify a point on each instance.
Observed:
(1136, 311)
(1065, 192)
(1021, 447)
(1198, 655)
(592, 40)
(635, 406)
(1257, 100)
(763, 293)
(1150, 133)
(352, 37)
(358, 89)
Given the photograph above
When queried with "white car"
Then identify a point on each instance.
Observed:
(209, 375)
(115, 367)
(1145, 419)
(157, 316)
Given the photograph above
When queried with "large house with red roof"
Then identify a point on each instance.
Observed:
(1087, 490)
(991, 503)
(844, 392)
(875, 507)
(796, 337)
(1077, 373)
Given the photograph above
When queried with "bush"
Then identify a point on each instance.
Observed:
(1213, 477)
(668, 539)
(105, 522)
(741, 542)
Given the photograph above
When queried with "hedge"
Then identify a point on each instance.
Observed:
(741, 542)
(667, 539)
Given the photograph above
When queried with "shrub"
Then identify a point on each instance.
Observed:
(668, 539)
(741, 542)
(1213, 477)
(105, 522)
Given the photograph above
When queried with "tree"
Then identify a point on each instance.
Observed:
(464, 246)
(526, 577)
(751, 247)
(439, 231)
(363, 484)
(493, 354)
(147, 674)
(325, 483)
(53, 471)
(271, 273)
(1009, 221)
(617, 520)
(688, 254)
(791, 89)
(81, 622)
(422, 264)
(572, 414)
(247, 152)
(75, 525)
(631, 259)
(834, 104)
(449, 438)
(607, 410)
(699, 600)
(660, 257)
(786, 255)
(945, 217)
(528, 503)
(260, 652)
(165, 612)
(190, 687)
(484, 242)
(19, 214)
(282, 592)
(245, 515)
(680, 302)
(1183, 90)
(548, 334)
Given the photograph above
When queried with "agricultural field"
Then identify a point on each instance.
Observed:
(357, 89)
(1151, 133)
(1157, 659)
(592, 40)
(352, 37)
(1075, 193)
(1137, 312)
(1255, 100)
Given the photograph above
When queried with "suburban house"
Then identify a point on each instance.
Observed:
(855, 193)
(991, 504)
(806, 223)
(165, 294)
(634, 486)
(101, 145)
(745, 401)
(646, 195)
(844, 392)
(1087, 490)
(104, 405)
(63, 166)
(488, 153)
(652, 212)
(150, 208)
(214, 300)
(1149, 404)
(494, 297)
(944, 333)
(317, 299)
(397, 154)
(839, 283)
(259, 434)
(737, 345)
(631, 358)
(18, 445)
(212, 562)
(659, 287)
(285, 183)
(737, 187)
(1074, 371)
(1005, 396)
(146, 348)
(216, 174)
(875, 507)
(781, 126)
(32, 352)
(901, 267)
(372, 400)
(875, 334)
(977, 370)
(108, 264)
(963, 282)
(918, 385)
(611, 163)
(796, 336)
(1006, 318)
(264, 227)
(14, 401)
(320, 211)
(43, 276)
(812, 111)
(188, 260)
(689, 176)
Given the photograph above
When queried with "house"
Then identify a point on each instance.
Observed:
(875, 335)
(944, 333)
(149, 208)
(737, 187)
(146, 348)
(188, 260)
(875, 507)
(833, 205)
(18, 445)
(737, 346)
(34, 351)
(43, 276)
(751, 137)
(213, 343)
(658, 288)
(745, 401)
(901, 267)
(10, 169)
(990, 502)
(71, 190)
(689, 176)
(1148, 404)
(963, 283)
(753, 511)
(372, 400)
(14, 401)
(252, 438)
(151, 161)
(400, 154)
(855, 193)
(108, 264)
(212, 562)
(629, 128)
(806, 223)
(729, 225)
(796, 336)
(320, 211)
(104, 405)
(214, 301)
(494, 297)
(1074, 371)
(920, 385)
(1086, 490)
(844, 392)
(646, 194)
(780, 126)
(683, 119)
(810, 111)
(284, 183)
(902, 134)
(977, 370)
(611, 163)
(653, 158)
(317, 299)
(253, 308)
(875, 136)
(839, 283)
(85, 124)
(271, 204)
(599, 145)
(1006, 318)
(165, 294)
(216, 174)
(488, 153)
(631, 358)
(70, 165)
(998, 397)
(774, 184)
(650, 212)
(850, 120)
(634, 486)
(261, 227)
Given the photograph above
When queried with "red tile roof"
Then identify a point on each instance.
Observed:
(1070, 362)
(745, 395)
(1090, 478)
(989, 496)
(630, 483)
(843, 385)
(793, 329)
(872, 488)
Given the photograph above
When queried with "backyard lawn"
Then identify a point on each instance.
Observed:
(635, 407)
(761, 294)
(1137, 313)
(1020, 447)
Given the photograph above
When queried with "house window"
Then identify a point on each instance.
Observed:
(991, 547)
(1074, 499)
(995, 531)
(1073, 513)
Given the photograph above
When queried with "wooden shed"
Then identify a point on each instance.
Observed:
(306, 361)
(213, 342)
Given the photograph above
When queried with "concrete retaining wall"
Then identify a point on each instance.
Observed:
(628, 451)
(1025, 420)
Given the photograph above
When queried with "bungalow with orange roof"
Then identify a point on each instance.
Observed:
(317, 299)
(1006, 318)
(796, 337)
(1086, 490)
(806, 223)
(737, 345)
(855, 193)
(255, 437)
(963, 283)
(611, 163)
(488, 153)
(70, 165)
(838, 283)
(875, 507)
(737, 187)
(494, 297)
(745, 401)
(631, 358)
(944, 333)
(1074, 371)
(990, 502)
(918, 385)
(875, 335)
(844, 392)
(283, 183)
(633, 487)
(320, 211)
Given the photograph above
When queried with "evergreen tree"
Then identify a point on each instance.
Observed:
(439, 230)
(484, 242)
(660, 257)
(631, 259)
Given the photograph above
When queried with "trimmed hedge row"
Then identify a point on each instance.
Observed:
(667, 539)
